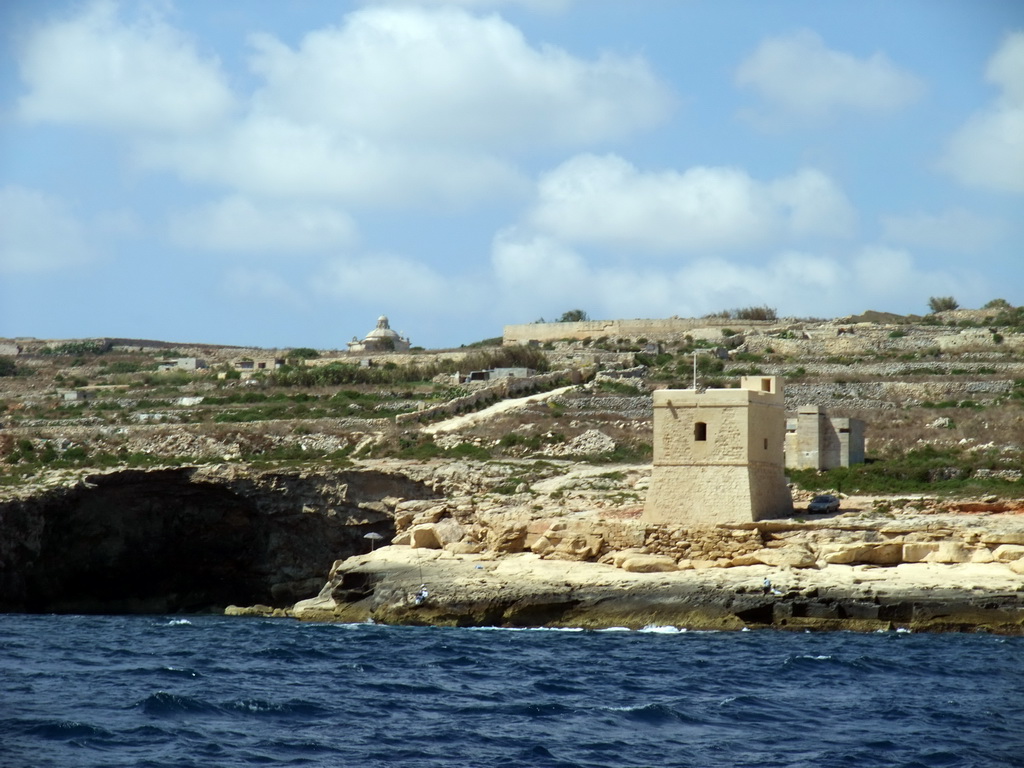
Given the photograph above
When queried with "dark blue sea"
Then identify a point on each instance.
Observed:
(214, 691)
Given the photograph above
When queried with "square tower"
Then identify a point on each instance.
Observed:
(718, 455)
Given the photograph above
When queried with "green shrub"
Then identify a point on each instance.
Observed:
(468, 451)
(942, 304)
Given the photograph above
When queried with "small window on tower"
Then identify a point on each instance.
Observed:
(700, 431)
(766, 443)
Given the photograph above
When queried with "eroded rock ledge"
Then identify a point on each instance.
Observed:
(525, 590)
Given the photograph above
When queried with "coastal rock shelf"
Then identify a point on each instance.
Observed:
(525, 590)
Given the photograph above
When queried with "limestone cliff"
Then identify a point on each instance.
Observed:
(188, 539)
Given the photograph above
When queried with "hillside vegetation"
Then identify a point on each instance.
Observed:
(942, 395)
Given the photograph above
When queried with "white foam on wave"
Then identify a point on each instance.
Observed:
(660, 629)
(177, 622)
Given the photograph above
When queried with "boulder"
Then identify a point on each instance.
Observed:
(449, 531)
(431, 515)
(950, 552)
(541, 545)
(507, 538)
(982, 555)
(1017, 566)
(917, 551)
(618, 558)
(577, 547)
(1006, 553)
(858, 552)
(424, 537)
(786, 557)
(940, 552)
(404, 539)
(648, 564)
(464, 547)
(1003, 537)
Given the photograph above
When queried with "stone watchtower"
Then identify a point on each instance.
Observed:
(718, 455)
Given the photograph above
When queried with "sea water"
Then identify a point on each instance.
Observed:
(214, 691)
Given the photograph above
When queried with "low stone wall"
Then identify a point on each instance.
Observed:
(673, 329)
(500, 390)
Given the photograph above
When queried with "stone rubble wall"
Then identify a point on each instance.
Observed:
(500, 390)
(674, 329)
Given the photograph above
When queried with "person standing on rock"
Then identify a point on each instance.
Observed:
(766, 586)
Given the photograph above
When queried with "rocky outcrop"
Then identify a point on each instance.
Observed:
(525, 590)
(189, 539)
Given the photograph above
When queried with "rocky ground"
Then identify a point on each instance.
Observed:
(184, 491)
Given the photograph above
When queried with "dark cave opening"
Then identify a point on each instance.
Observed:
(161, 541)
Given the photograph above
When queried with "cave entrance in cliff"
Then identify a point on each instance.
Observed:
(148, 543)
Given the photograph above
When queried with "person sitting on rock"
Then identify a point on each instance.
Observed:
(422, 595)
(766, 586)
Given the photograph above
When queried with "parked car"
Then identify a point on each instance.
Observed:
(826, 502)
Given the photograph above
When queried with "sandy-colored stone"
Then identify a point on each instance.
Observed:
(1006, 553)
(855, 553)
(786, 557)
(950, 552)
(648, 564)
(464, 547)
(424, 537)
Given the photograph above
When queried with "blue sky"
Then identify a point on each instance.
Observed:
(279, 173)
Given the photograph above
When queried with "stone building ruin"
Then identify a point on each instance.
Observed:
(815, 441)
(718, 455)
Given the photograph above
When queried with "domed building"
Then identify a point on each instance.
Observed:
(380, 339)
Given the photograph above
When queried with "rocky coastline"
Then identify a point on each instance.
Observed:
(565, 549)
(524, 590)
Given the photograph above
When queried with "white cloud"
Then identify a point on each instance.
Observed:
(988, 150)
(394, 106)
(607, 200)
(955, 229)
(539, 276)
(540, 6)
(39, 233)
(97, 69)
(238, 224)
(263, 284)
(798, 77)
(277, 157)
(385, 280)
(444, 76)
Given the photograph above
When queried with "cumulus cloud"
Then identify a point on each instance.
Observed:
(394, 106)
(444, 76)
(956, 229)
(278, 157)
(39, 232)
(541, 6)
(988, 150)
(241, 225)
(538, 275)
(263, 284)
(607, 200)
(376, 280)
(98, 69)
(797, 76)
